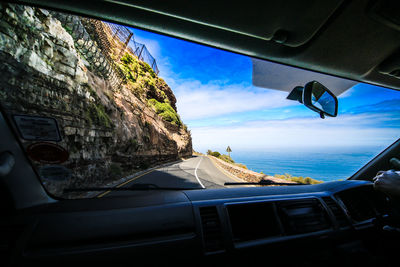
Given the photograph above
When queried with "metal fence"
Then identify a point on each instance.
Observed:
(98, 41)
(126, 37)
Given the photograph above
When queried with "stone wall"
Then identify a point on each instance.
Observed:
(108, 132)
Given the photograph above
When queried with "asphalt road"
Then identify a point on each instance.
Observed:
(197, 172)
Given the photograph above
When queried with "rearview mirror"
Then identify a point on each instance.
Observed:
(319, 99)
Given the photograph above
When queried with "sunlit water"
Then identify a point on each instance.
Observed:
(322, 164)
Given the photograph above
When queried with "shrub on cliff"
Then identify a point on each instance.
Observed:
(128, 59)
(138, 74)
(223, 157)
(144, 82)
(226, 158)
(165, 111)
(298, 179)
(129, 66)
(132, 67)
(95, 114)
(215, 154)
(146, 67)
(115, 170)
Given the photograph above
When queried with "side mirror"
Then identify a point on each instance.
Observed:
(319, 99)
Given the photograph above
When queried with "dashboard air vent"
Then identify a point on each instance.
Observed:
(303, 216)
(363, 203)
(211, 225)
(251, 221)
(337, 211)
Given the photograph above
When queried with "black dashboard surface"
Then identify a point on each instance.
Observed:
(196, 224)
(244, 192)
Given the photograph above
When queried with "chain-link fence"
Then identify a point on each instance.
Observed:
(86, 43)
(103, 44)
(126, 36)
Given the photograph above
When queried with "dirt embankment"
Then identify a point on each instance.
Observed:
(246, 175)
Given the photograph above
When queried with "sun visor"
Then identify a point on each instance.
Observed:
(284, 78)
(290, 22)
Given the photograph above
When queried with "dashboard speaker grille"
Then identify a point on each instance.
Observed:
(303, 216)
(212, 232)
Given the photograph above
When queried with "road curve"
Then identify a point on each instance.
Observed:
(196, 172)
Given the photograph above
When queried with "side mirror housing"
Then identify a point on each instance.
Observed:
(319, 99)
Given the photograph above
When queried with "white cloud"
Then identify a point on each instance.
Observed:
(356, 130)
(152, 45)
(196, 100)
(346, 93)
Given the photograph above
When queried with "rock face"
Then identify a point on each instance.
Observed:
(109, 131)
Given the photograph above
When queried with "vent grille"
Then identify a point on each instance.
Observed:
(303, 216)
(359, 203)
(337, 211)
(212, 232)
(358, 209)
(251, 221)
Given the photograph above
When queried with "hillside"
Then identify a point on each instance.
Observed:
(115, 114)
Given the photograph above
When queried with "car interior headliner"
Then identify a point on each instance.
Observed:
(358, 40)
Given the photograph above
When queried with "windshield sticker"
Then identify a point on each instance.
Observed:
(47, 153)
(55, 173)
(37, 128)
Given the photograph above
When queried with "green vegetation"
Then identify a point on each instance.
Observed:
(299, 179)
(95, 114)
(133, 141)
(165, 111)
(133, 144)
(67, 29)
(130, 67)
(146, 67)
(144, 83)
(115, 170)
(225, 158)
(139, 72)
(214, 154)
(140, 75)
(164, 96)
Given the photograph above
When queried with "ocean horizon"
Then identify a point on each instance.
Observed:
(325, 164)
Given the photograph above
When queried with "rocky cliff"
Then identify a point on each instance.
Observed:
(115, 115)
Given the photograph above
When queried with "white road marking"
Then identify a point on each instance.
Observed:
(195, 172)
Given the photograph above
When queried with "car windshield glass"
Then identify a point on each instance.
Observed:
(99, 105)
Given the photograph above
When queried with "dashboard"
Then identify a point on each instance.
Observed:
(227, 225)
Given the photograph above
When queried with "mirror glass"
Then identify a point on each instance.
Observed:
(323, 99)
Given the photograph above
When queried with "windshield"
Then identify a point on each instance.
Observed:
(99, 106)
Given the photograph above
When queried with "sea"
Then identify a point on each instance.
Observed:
(325, 164)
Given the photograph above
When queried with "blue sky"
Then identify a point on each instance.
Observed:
(216, 99)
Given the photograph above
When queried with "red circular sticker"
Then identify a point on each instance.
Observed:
(45, 152)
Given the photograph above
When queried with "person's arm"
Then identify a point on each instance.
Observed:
(388, 182)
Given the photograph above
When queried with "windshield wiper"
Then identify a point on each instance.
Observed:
(262, 182)
(134, 187)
